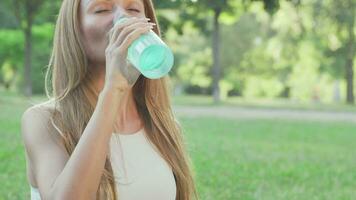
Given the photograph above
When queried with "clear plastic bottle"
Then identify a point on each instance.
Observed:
(149, 55)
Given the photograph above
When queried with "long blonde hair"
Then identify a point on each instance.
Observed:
(68, 84)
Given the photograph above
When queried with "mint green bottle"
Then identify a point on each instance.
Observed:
(150, 55)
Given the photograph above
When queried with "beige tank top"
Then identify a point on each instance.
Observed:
(139, 171)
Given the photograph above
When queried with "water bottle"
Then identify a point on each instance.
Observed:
(149, 54)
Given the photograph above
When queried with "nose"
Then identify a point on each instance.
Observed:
(119, 12)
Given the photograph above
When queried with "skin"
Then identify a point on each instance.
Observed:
(96, 19)
(56, 174)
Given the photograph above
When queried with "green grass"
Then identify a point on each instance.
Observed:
(265, 159)
(233, 159)
(12, 158)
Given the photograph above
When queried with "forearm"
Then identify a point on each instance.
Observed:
(81, 176)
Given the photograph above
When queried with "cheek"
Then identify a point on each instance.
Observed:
(95, 38)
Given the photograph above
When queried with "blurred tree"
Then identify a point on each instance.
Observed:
(275, 41)
(25, 12)
(199, 12)
(239, 41)
(279, 49)
(11, 57)
(335, 23)
(205, 16)
(7, 20)
(192, 55)
(43, 38)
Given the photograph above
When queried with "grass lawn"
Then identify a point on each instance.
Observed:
(233, 159)
(265, 159)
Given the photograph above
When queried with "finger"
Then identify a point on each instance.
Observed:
(133, 36)
(117, 28)
(126, 31)
(121, 26)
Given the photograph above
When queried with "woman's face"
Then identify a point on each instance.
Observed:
(96, 18)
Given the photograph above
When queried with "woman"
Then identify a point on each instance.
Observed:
(104, 135)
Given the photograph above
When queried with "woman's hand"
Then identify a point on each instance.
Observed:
(120, 74)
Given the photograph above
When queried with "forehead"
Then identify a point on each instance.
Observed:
(86, 2)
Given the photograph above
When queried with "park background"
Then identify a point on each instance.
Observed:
(264, 90)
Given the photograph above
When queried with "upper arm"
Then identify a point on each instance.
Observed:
(46, 157)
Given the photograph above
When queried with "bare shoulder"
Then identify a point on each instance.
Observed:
(45, 155)
(35, 122)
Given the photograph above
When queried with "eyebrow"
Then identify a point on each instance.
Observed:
(132, 1)
(91, 1)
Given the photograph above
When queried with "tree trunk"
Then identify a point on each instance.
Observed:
(350, 81)
(216, 56)
(350, 98)
(28, 56)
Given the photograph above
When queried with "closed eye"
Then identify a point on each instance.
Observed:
(134, 10)
(101, 11)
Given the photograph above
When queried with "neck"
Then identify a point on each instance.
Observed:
(128, 119)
